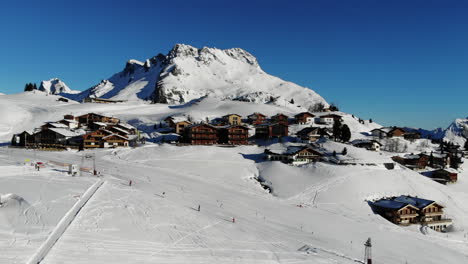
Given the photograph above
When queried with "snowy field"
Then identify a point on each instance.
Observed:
(315, 214)
(156, 220)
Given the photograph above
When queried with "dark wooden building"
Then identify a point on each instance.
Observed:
(256, 118)
(201, 134)
(22, 139)
(266, 131)
(304, 118)
(280, 118)
(234, 135)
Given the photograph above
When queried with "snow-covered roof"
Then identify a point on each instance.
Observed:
(69, 121)
(414, 201)
(65, 132)
(389, 204)
(411, 156)
(126, 125)
(117, 135)
(100, 124)
(57, 125)
(120, 130)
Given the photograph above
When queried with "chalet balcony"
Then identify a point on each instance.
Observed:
(439, 222)
(203, 133)
(434, 214)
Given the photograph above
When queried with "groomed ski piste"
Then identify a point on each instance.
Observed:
(316, 213)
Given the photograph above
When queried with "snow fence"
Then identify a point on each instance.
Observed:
(63, 224)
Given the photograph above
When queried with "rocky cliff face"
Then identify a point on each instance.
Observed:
(54, 86)
(187, 73)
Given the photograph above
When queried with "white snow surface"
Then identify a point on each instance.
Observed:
(156, 219)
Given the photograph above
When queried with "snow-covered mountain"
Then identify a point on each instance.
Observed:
(55, 86)
(457, 132)
(187, 73)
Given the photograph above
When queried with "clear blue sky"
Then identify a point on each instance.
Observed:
(397, 62)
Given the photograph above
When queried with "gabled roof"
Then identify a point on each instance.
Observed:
(202, 124)
(255, 114)
(56, 125)
(69, 120)
(65, 132)
(117, 135)
(278, 115)
(232, 115)
(304, 113)
(100, 124)
(392, 204)
(308, 130)
(120, 130)
(414, 201)
(126, 126)
(330, 116)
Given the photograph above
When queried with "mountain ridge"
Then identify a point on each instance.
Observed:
(186, 73)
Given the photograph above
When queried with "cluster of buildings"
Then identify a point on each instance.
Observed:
(85, 131)
(407, 210)
(390, 132)
(232, 129)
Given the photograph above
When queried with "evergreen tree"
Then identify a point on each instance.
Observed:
(466, 145)
(345, 133)
(34, 86)
(292, 101)
(370, 120)
(334, 154)
(337, 130)
(344, 152)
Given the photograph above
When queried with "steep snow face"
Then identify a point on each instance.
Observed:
(187, 73)
(55, 86)
(457, 132)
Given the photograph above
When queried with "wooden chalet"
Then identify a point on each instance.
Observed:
(329, 118)
(56, 138)
(437, 159)
(94, 139)
(22, 139)
(114, 140)
(257, 118)
(413, 161)
(179, 127)
(445, 175)
(396, 132)
(267, 131)
(53, 125)
(396, 212)
(89, 118)
(234, 135)
(70, 123)
(304, 118)
(411, 136)
(404, 210)
(295, 155)
(201, 134)
(311, 134)
(280, 118)
(232, 119)
(372, 145)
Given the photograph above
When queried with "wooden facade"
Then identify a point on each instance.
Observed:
(234, 135)
(201, 134)
(280, 118)
(267, 131)
(22, 139)
(304, 118)
(257, 118)
(89, 118)
(94, 139)
(232, 119)
(396, 132)
(179, 127)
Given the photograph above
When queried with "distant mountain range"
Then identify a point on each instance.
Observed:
(187, 73)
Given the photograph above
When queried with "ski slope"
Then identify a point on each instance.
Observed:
(140, 224)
